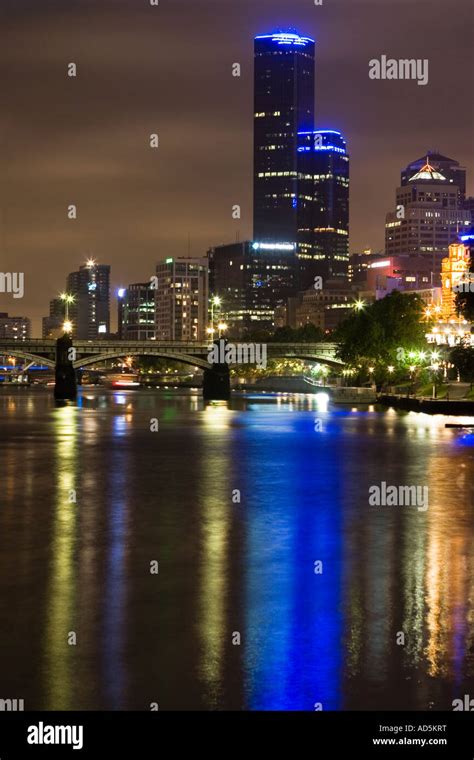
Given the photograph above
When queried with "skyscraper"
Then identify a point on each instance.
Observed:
(428, 217)
(90, 312)
(54, 322)
(182, 299)
(136, 312)
(251, 279)
(455, 173)
(284, 105)
(323, 206)
(301, 192)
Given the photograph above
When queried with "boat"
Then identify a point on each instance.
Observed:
(121, 381)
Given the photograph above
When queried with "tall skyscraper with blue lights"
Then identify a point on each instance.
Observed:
(284, 105)
(323, 205)
(301, 175)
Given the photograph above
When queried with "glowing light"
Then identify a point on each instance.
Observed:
(359, 304)
(67, 326)
(286, 38)
(391, 369)
(90, 263)
(216, 300)
(322, 400)
(121, 292)
(274, 246)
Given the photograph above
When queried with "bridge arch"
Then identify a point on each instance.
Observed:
(18, 354)
(194, 361)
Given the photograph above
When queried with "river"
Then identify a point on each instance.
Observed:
(155, 550)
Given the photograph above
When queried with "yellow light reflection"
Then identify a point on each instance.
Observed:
(61, 618)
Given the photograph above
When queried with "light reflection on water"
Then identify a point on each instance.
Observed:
(236, 502)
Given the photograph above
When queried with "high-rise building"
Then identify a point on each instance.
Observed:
(284, 106)
(55, 320)
(90, 311)
(428, 217)
(454, 173)
(182, 299)
(301, 193)
(251, 279)
(323, 206)
(14, 328)
(136, 312)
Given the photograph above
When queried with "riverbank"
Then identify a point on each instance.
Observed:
(428, 405)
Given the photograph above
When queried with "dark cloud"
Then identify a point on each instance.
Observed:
(168, 70)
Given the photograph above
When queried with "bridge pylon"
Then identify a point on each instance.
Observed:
(216, 381)
(65, 379)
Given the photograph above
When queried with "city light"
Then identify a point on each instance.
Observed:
(286, 38)
(274, 246)
(90, 263)
(359, 304)
(67, 326)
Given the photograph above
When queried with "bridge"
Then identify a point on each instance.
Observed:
(68, 355)
(88, 353)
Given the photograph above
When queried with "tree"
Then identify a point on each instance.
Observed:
(381, 330)
(463, 359)
(309, 333)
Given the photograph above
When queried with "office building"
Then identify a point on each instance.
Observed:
(252, 279)
(284, 105)
(90, 311)
(454, 173)
(136, 308)
(14, 328)
(428, 217)
(378, 272)
(182, 299)
(323, 206)
(53, 323)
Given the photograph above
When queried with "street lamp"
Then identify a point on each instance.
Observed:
(215, 301)
(67, 298)
(67, 326)
(359, 304)
(221, 327)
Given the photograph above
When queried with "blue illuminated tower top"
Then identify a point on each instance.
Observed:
(283, 106)
(286, 38)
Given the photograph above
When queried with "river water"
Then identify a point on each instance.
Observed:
(231, 559)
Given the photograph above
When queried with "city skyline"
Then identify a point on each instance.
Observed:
(131, 210)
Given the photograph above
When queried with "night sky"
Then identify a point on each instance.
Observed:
(168, 69)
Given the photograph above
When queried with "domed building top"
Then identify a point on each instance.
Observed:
(428, 173)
